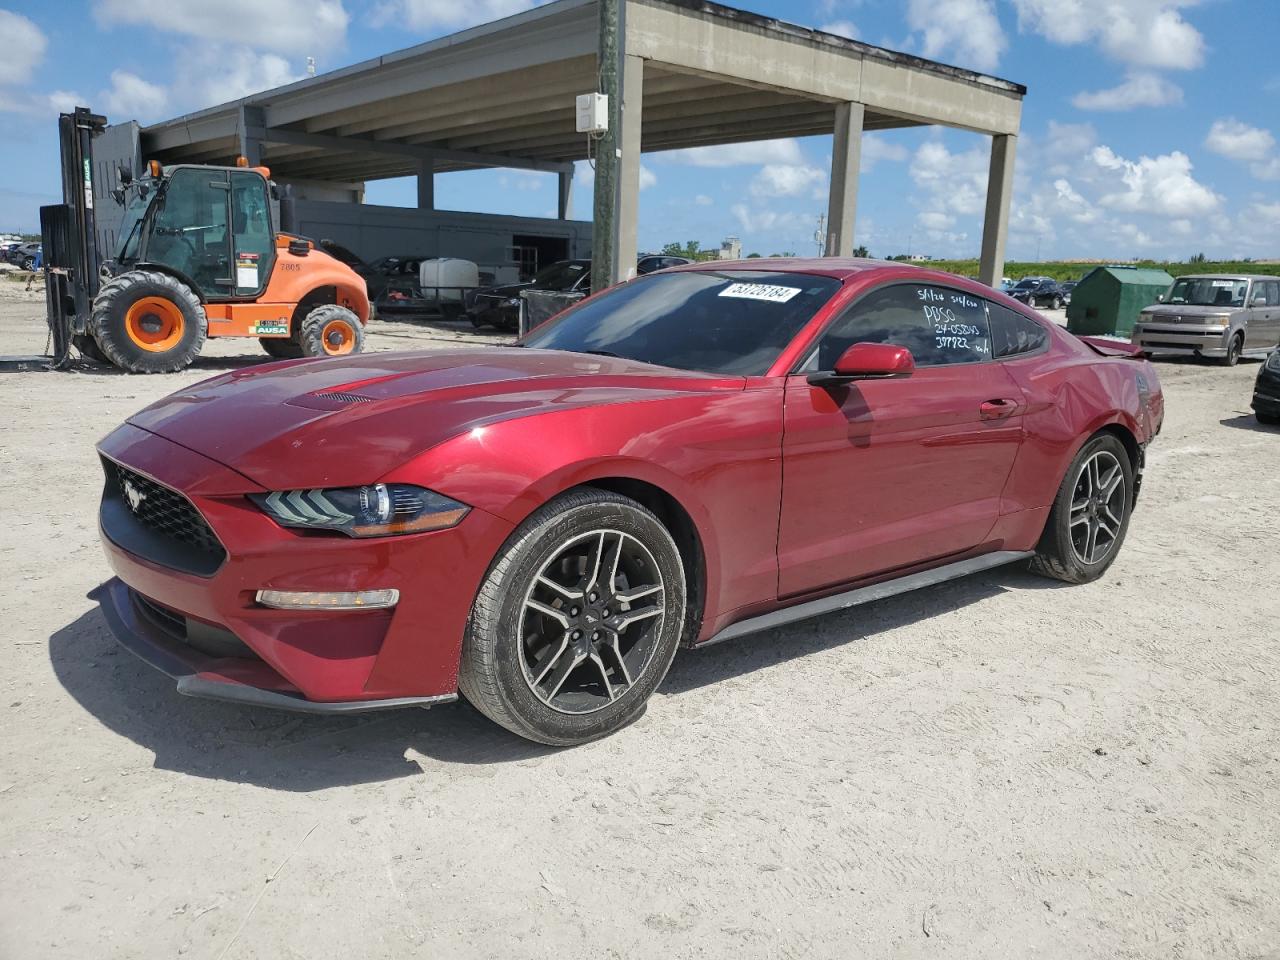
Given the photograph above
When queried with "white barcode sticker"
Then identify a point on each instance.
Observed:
(760, 291)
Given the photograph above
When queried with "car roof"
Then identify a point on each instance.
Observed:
(840, 268)
(1227, 276)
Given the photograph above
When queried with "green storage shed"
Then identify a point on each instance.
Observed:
(1108, 300)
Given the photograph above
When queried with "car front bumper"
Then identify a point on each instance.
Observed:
(1181, 340)
(207, 630)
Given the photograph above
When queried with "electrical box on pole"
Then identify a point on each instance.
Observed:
(593, 113)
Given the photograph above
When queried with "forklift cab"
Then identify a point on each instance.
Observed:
(211, 225)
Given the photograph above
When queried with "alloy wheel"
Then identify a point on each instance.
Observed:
(591, 621)
(1098, 505)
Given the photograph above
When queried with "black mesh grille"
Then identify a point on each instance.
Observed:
(165, 511)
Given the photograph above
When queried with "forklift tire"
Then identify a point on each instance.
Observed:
(148, 322)
(331, 331)
(89, 348)
(282, 349)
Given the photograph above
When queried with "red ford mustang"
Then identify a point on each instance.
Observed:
(691, 456)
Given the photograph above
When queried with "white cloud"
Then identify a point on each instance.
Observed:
(1235, 140)
(967, 31)
(1144, 33)
(1160, 185)
(786, 180)
(208, 74)
(841, 28)
(759, 221)
(936, 220)
(647, 178)
(1139, 89)
(285, 26)
(736, 154)
(132, 97)
(40, 105)
(432, 15)
(954, 181)
(1239, 141)
(24, 48)
(875, 149)
(702, 200)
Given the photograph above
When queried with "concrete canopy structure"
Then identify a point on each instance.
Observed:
(694, 74)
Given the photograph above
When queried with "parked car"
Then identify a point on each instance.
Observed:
(697, 454)
(391, 273)
(1266, 390)
(23, 255)
(1222, 316)
(500, 306)
(1067, 289)
(1038, 292)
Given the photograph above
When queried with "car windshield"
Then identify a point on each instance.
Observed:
(1208, 292)
(560, 276)
(731, 322)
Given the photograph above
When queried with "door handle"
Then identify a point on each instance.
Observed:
(998, 409)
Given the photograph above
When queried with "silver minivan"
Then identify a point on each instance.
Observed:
(1212, 315)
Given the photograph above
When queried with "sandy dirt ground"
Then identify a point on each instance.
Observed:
(1001, 766)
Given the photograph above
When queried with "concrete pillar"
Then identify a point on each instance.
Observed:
(626, 223)
(846, 159)
(250, 126)
(995, 227)
(426, 185)
(565, 205)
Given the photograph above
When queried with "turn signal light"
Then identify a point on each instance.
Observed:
(153, 166)
(242, 161)
(342, 600)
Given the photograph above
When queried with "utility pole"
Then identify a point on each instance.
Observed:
(604, 230)
(820, 235)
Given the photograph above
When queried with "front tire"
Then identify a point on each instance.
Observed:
(148, 322)
(330, 330)
(577, 621)
(281, 348)
(1234, 350)
(1090, 515)
(1056, 304)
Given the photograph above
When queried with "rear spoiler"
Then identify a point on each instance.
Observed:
(1114, 348)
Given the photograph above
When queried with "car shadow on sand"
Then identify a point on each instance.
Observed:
(301, 752)
(771, 648)
(1247, 421)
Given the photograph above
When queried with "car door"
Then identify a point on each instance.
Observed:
(1264, 315)
(884, 474)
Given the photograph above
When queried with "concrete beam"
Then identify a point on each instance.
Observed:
(415, 152)
(846, 161)
(995, 227)
(248, 127)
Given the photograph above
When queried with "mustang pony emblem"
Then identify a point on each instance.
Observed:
(133, 495)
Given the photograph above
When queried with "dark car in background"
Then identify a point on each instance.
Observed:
(1068, 288)
(499, 306)
(1039, 292)
(1266, 391)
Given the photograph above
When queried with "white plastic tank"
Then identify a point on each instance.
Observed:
(448, 276)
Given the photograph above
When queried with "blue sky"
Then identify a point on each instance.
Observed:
(1150, 127)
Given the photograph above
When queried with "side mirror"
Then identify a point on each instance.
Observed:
(1259, 302)
(867, 361)
(1159, 298)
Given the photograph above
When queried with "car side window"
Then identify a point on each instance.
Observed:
(1012, 334)
(939, 325)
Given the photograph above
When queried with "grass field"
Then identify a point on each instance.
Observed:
(1068, 270)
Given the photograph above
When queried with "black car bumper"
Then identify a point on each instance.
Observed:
(1266, 392)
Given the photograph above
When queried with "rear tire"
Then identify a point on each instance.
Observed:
(1234, 349)
(331, 331)
(1090, 515)
(554, 650)
(1270, 419)
(1056, 304)
(148, 322)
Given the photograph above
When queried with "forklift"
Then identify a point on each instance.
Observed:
(201, 251)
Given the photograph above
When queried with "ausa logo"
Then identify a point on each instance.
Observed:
(133, 495)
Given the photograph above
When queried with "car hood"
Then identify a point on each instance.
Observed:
(1175, 312)
(348, 421)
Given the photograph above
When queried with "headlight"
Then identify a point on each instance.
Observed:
(380, 510)
(1273, 360)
